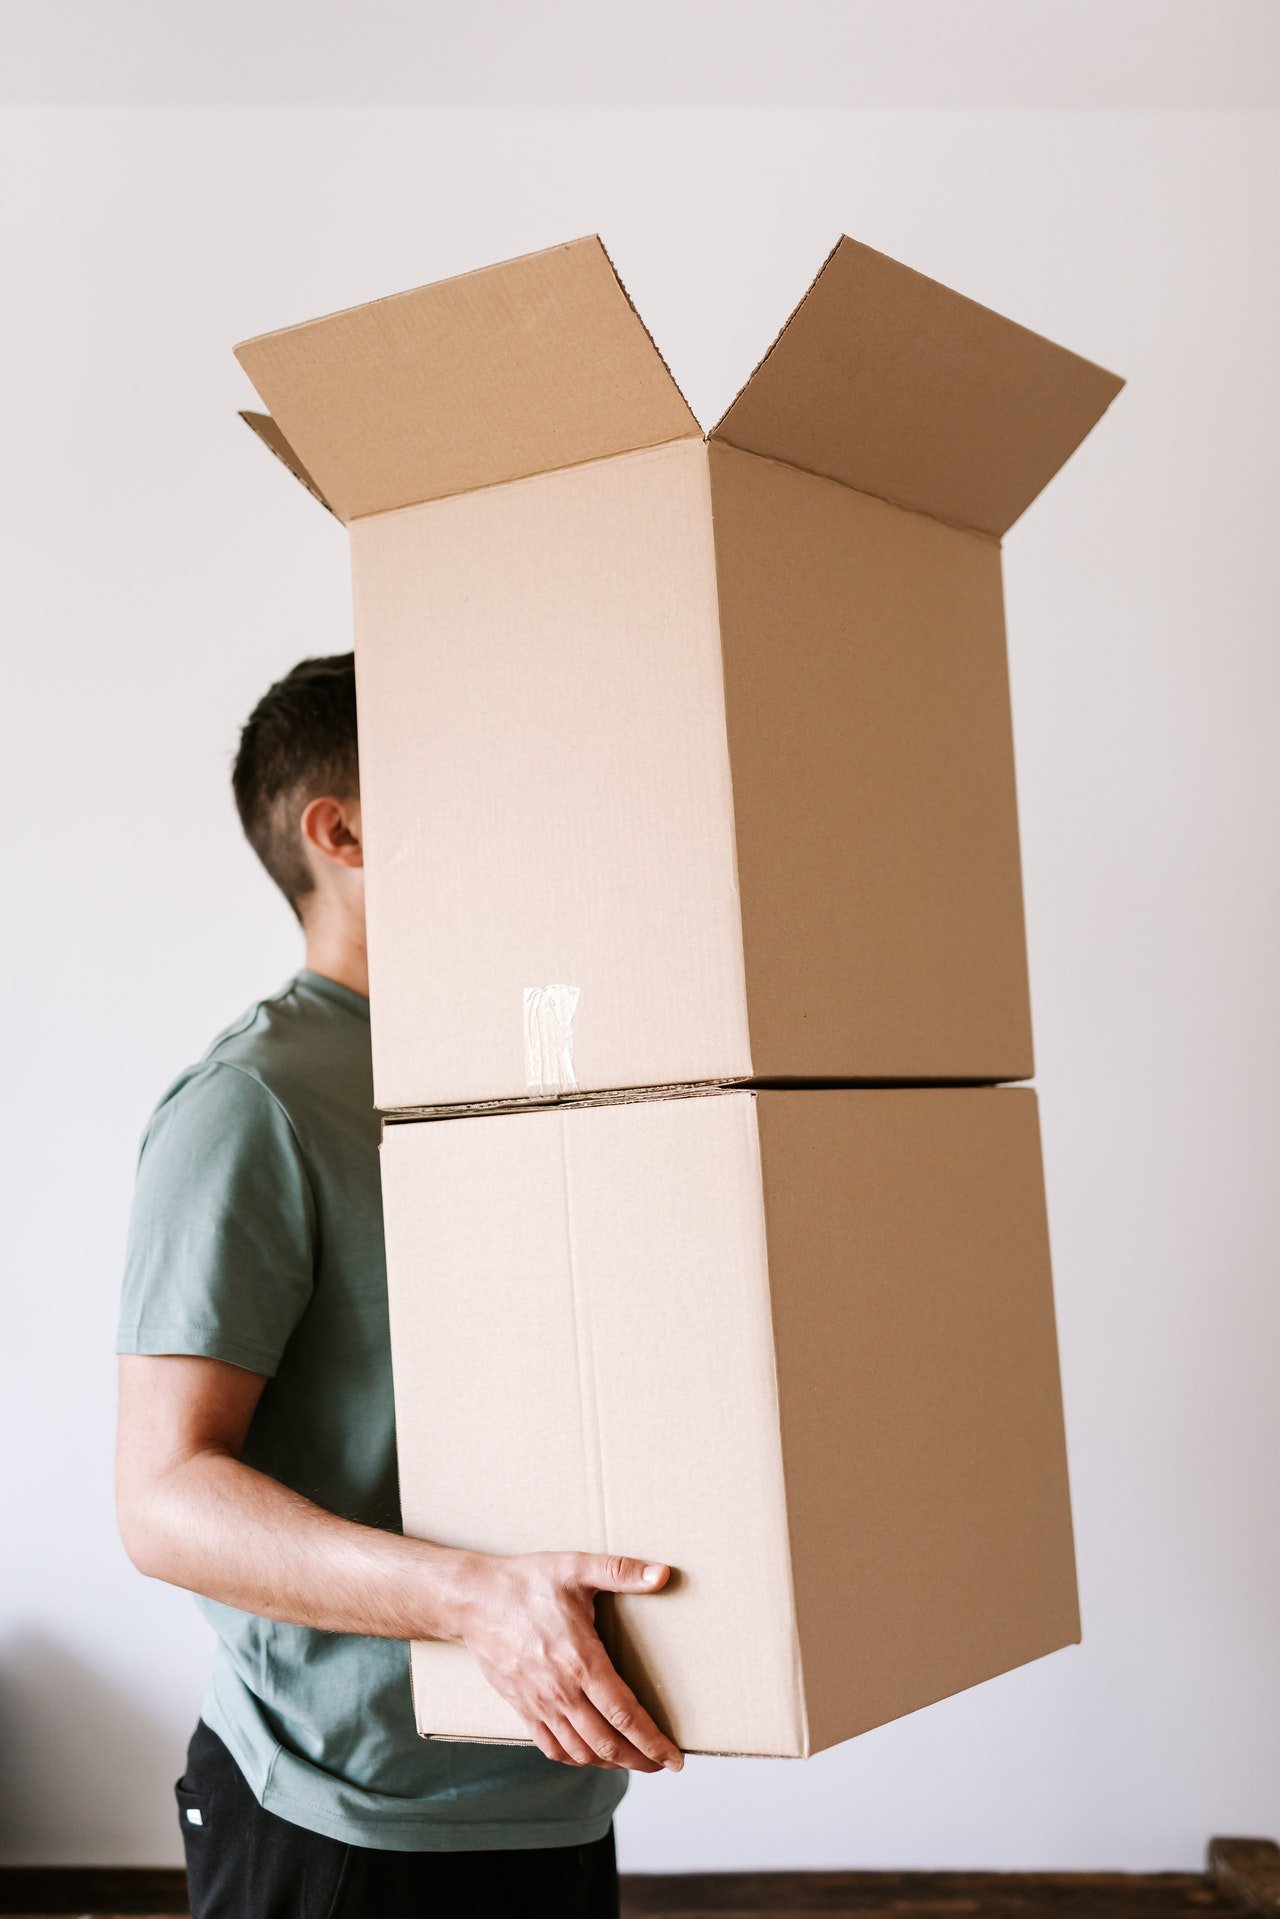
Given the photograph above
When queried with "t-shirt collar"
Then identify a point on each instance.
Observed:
(332, 989)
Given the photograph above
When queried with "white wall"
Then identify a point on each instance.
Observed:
(159, 569)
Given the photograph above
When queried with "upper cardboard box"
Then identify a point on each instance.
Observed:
(683, 757)
(797, 1343)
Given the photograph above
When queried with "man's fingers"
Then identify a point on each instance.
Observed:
(610, 1573)
(548, 1745)
(622, 1711)
(610, 1747)
(578, 1750)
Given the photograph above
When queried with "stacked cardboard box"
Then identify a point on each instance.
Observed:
(696, 952)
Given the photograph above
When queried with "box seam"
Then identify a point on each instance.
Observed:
(585, 1366)
(523, 479)
(833, 479)
(708, 440)
(684, 1089)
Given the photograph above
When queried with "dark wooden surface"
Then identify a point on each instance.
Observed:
(930, 1895)
(93, 1890)
(1242, 1873)
(1247, 1871)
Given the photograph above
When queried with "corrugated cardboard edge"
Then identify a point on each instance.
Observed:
(424, 286)
(273, 439)
(686, 1089)
(714, 432)
(622, 288)
(696, 1752)
(448, 1738)
(593, 1096)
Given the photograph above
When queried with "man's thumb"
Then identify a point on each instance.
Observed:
(612, 1574)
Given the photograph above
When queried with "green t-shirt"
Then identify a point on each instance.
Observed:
(256, 1237)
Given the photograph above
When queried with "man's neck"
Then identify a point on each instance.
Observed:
(338, 954)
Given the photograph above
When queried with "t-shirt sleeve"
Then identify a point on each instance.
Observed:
(221, 1249)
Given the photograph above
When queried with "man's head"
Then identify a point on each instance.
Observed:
(296, 781)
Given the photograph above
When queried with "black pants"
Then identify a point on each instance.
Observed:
(244, 1863)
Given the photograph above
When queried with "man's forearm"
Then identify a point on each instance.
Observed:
(222, 1529)
(191, 1512)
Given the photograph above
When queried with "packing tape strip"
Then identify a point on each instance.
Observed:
(548, 1038)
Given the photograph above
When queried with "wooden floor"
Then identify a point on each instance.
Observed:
(1242, 1877)
(1241, 1873)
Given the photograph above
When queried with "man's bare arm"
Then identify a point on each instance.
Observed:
(192, 1513)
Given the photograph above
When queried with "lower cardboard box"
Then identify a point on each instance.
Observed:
(797, 1343)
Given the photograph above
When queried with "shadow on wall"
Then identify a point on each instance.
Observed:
(77, 1758)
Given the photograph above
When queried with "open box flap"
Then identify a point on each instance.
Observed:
(893, 384)
(273, 439)
(538, 363)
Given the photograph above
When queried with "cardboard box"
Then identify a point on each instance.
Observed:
(800, 1344)
(685, 758)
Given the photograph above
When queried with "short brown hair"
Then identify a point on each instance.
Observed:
(298, 744)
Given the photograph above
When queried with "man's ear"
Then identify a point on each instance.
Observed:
(331, 828)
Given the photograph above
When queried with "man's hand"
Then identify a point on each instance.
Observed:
(193, 1513)
(529, 1621)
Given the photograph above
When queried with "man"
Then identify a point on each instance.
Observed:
(256, 1457)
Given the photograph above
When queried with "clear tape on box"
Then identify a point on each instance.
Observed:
(548, 1038)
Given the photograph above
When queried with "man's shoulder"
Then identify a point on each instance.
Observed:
(252, 1050)
(289, 1052)
(267, 1038)
(260, 1057)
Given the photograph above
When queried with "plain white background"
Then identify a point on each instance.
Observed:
(158, 570)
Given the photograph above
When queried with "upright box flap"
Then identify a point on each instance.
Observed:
(539, 363)
(893, 384)
(273, 439)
